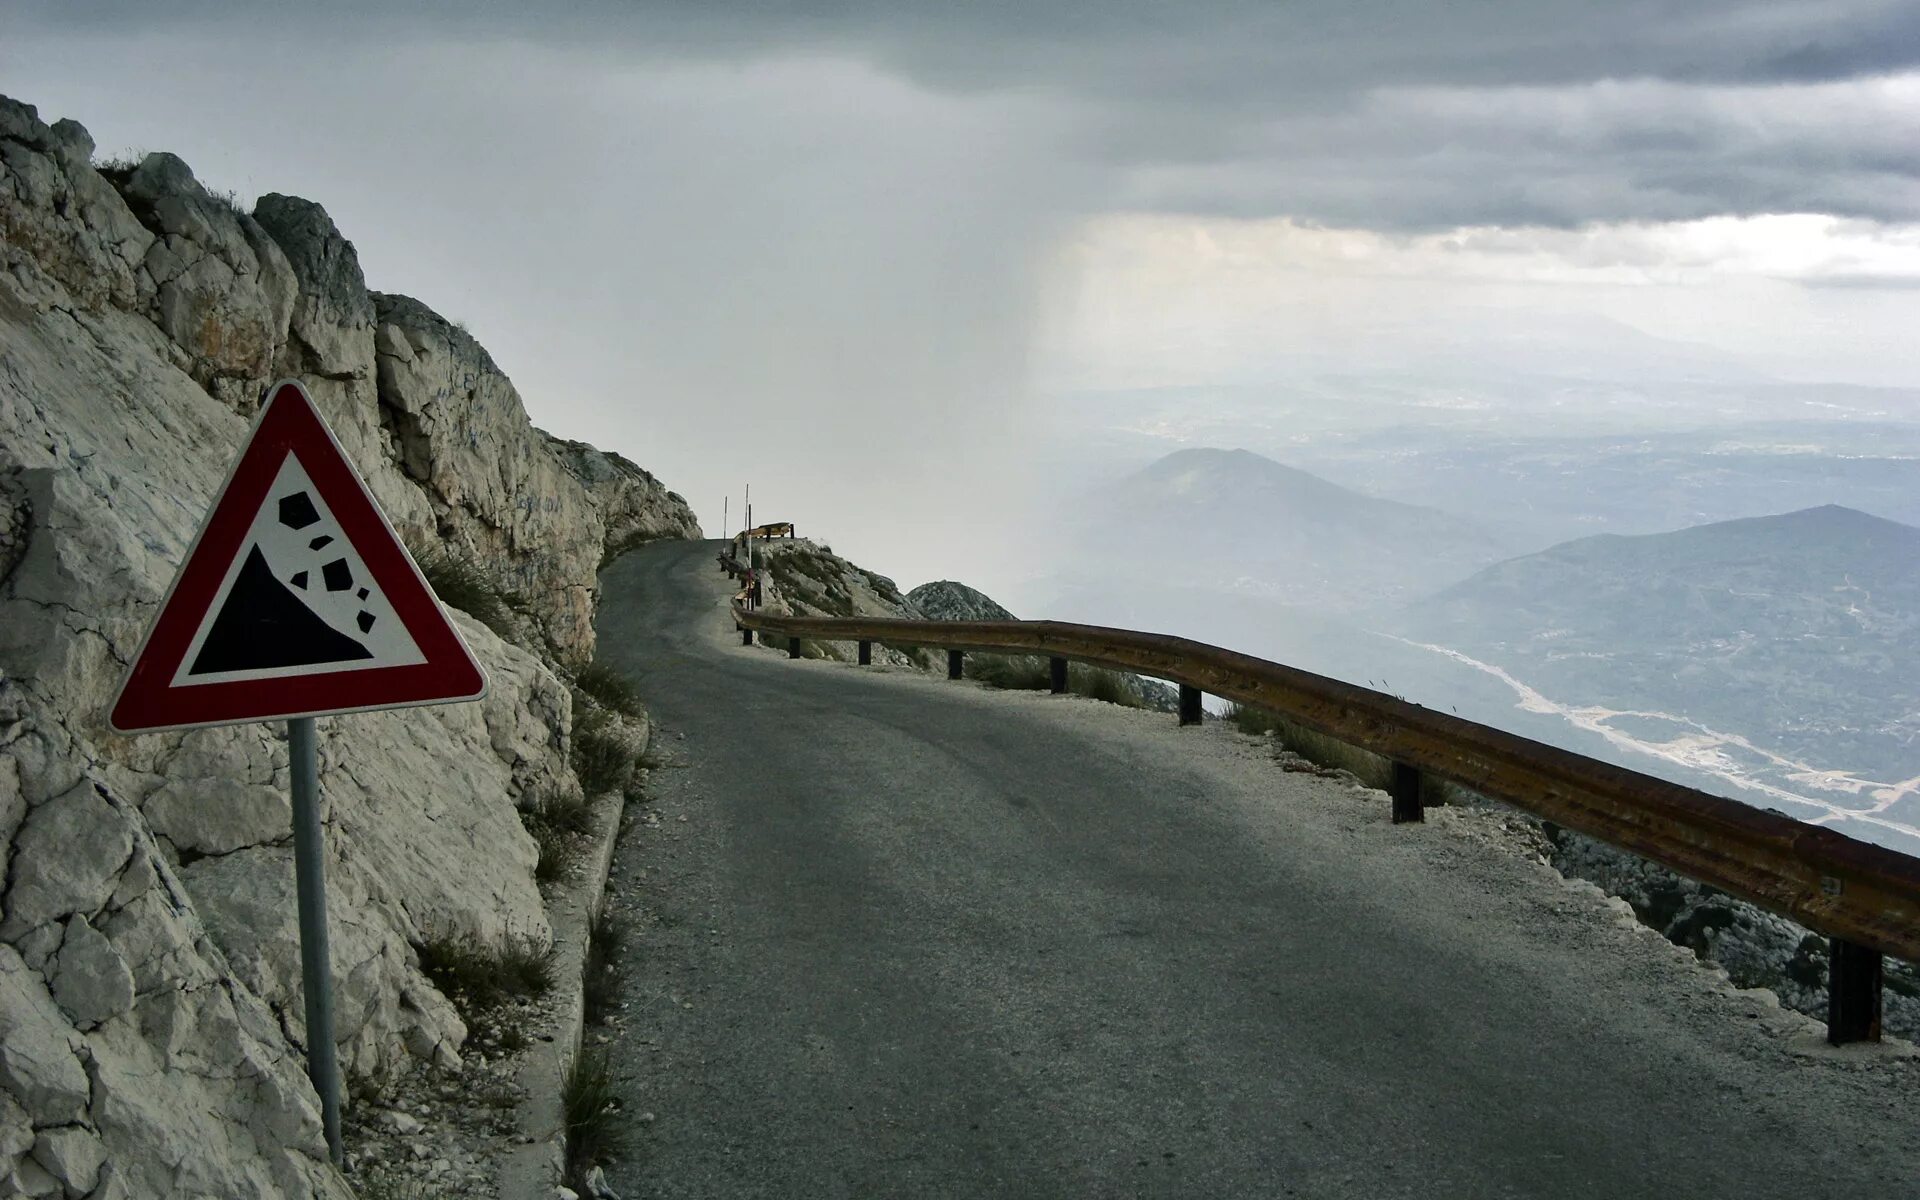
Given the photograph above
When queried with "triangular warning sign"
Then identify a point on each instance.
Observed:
(296, 599)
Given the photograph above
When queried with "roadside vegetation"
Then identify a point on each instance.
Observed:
(480, 977)
(602, 755)
(607, 687)
(601, 973)
(460, 582)
(555, 818)
(1333, 754)
(1025, 673)
(596, 1130)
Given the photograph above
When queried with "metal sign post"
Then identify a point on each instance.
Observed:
(316, 964)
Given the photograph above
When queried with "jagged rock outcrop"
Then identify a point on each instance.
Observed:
(150, 1024)
(634, 506)
(946, 600)
(805, 579)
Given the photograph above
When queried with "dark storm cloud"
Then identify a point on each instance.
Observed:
(1396, 114)
(1218, 48)
(1390, 113)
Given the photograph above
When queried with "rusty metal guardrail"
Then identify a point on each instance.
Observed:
(1864, 897)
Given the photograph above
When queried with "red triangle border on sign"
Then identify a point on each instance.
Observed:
(289, 423)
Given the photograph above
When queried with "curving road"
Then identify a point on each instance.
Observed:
(892, 936)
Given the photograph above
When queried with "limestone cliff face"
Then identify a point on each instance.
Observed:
(150, 1027)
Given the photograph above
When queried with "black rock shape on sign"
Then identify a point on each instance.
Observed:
(297, 511)
(263, 625)
(338, 575)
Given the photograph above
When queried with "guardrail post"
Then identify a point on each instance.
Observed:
(1057, 675)
(954, 659)
(866, 654)
(793, 647)
(1854, 975)
(746, 636)
(1189, 705)
(1406, 794)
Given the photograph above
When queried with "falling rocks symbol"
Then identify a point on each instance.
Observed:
(264, 624)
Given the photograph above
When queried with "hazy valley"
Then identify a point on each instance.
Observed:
(1743, 622)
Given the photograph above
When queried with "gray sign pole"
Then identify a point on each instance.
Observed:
(316, 966)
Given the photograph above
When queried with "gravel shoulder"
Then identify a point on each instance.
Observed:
(895, 935)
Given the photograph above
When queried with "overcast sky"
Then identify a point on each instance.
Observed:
(833, 246)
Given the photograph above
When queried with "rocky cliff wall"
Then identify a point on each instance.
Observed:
(150, 1023)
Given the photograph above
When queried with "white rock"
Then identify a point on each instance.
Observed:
(31, 1180)
(16, 1130)
(90, 980)
(38, 1066)
(72, 1155)
(216, 815)
(66, 858)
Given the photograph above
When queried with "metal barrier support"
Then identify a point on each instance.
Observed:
(746, 636)
(793, 647)
(1190, 711)
(1057, 674)
(1855, 975)
(866, 653)
(1407, 805)
(954, 660)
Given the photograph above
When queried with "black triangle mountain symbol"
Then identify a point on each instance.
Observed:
(263, 624)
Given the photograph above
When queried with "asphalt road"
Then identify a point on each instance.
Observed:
(892, 936)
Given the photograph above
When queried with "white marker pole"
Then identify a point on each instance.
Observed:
(316, 966)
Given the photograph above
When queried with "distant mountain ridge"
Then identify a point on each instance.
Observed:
(1237, 521)
(1800, 630)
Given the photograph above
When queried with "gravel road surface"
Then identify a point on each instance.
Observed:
(894, 936)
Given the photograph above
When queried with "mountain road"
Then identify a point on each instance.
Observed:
(888, 935)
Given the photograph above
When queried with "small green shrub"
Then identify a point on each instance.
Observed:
(477, 976)
(602, 759)
(608, 687)
(388, 1183)
(118, 167)
(557, 853)
(596, 1134)
(566, 809)
(600, 974)
(1252, 719)
(1014, 674)
(1103, 684)
(1369, 768)
(460, 582)
(559, 809)
(553, 818)
(1032, 674)
(1312, 745)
